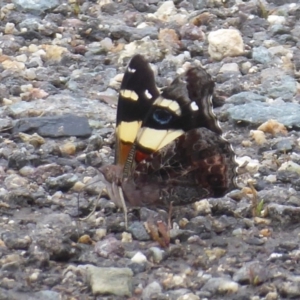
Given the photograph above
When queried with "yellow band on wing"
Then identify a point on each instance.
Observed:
(127, 131)
(156, 139)
(171, 104)
(129, 94)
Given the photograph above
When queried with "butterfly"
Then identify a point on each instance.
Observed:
(169, 145)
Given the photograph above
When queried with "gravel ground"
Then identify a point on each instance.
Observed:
(61, 66)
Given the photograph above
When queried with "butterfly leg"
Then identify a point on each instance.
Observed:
(170, 215)
(124, 206)
(116, 195)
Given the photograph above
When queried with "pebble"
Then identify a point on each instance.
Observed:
(224, 43)
(290, 166)
(151, 289)
(111, 281)
(139, 258)
(220, 286)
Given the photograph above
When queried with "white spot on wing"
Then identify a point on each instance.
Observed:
(148, 95)
(131, 70)
(194, 106)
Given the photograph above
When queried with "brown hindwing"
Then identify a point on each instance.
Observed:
(197, 165)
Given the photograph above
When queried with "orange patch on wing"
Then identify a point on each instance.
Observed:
(123, 151)
(139, 156)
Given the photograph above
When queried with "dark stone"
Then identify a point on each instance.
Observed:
(93, 159)
(141, 6)
(57, 126)
(31, 35)
(18, 159)
(14, 241)
(137, 268)
(62, 183)
(254, 241)
(284, 146)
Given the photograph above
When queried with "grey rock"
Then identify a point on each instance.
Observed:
(4, 93)
(57, 126)
(139, 5)
(63, 182)
(137, 267)
(256, 113)
(290, 289)
(199, 4)
(16, 241)
(137, 229)
(5, 124)
(220, 286)
(93, 159)
(109, 246)
(95, 186)
(32, 24)
(132, 34)
(261, 55)
(20, 109)
(38, 6)
(245, 97)
(151, 289)
(112, 281)
(222, 206)
(284, 145)
(284, 214)
(251, 273)
(45, 295)
(284, 87)
(255, 241)
(18, 159)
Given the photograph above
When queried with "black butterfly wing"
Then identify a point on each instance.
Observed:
(137, 94)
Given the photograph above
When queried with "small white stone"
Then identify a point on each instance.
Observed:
(157, 254)
(26, 87)
(21, 58)
(33, 48)
(273, 19)
(107, 44)
(202, 207)
(139, 258)
(34, 276)
(30, 74)
(166, 10)
(100, 233)
(271, 178)
(126, 237)
(9, 28)
(290, 166)
(251, 165)
(224, 43)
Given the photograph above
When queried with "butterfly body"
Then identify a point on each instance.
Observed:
(169, 145)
